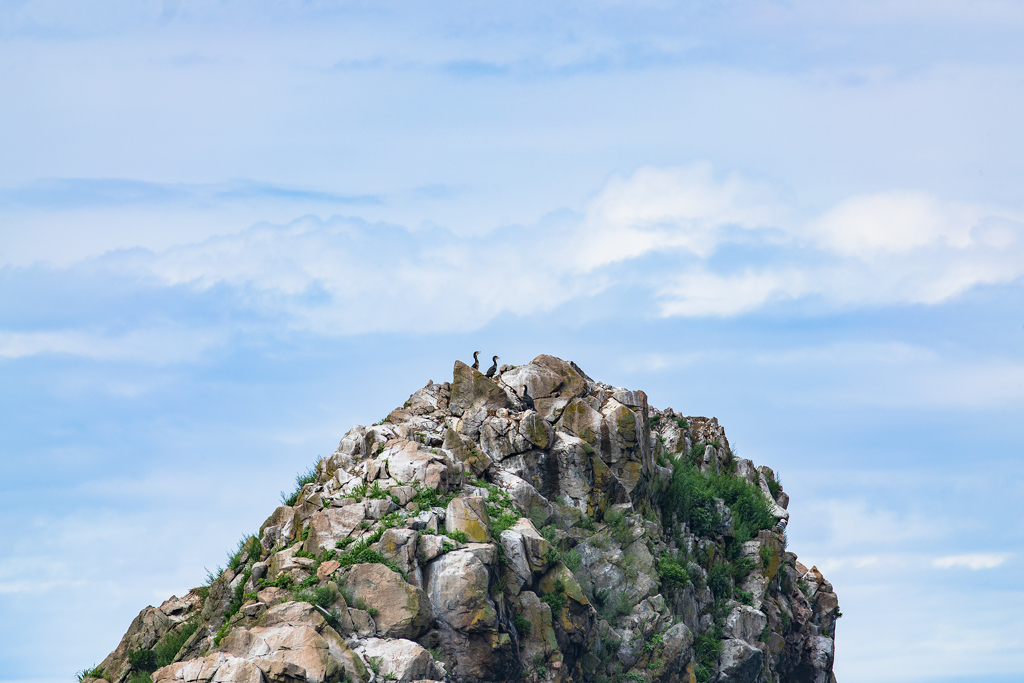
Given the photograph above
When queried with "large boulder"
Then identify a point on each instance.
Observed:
(469, 515)
(745, 623)
(407, 462)
(547, 377)
(740, 662)
(403, 611)
(223, 668)
(327, 527)
(457, 583)
(538, 641)
(471, 389)
(399, 660)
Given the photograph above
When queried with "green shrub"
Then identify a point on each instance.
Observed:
(740, 568)
(708, 648)
(142, 660)
(774, 485)
(301, 479)
(140, 677)
(362, 553)
(430, 498)
(522, 625)
(691, 498)
(718, 581)
(377, 492)
(280, 581)
(556, 600)
(503, 522)
(618, 526)
(673, 575)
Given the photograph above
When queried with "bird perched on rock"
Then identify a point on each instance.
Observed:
(476, 361)
(527, 399)
(493, 369)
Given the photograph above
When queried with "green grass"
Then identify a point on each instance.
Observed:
(301, 479)
(457, 535)
(618, 526)
(321, 596)
(94, 672)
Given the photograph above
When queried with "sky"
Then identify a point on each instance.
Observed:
(229, 231)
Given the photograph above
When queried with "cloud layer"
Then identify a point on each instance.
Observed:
(687, 241)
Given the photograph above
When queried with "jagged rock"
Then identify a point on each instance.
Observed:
(566, 472)
(745, 623)
(279, 529)
(470, 389)
(144, 632)
(739, 663)
(326, 569)
(403, 611)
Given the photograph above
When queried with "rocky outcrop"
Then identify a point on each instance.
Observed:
(536, 526)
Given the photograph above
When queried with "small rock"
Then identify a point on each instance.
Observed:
(326, 569)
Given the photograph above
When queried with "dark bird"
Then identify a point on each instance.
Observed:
(493, 369)
(527, 399)
(476, 361)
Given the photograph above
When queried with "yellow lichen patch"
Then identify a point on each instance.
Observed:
(482, 619)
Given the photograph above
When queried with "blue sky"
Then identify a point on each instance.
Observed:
(229, 231)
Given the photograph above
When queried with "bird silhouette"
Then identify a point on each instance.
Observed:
(527, 399)
(476, 361)
(493, 369)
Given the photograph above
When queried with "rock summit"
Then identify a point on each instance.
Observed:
(534, 526)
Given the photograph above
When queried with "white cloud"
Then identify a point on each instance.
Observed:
(971, 561)
(158, 346)
(687, 242)
(680, 209)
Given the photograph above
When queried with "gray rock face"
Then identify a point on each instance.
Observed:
(740, 662)
(573, 567)
(745, 623)
(403, 660)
